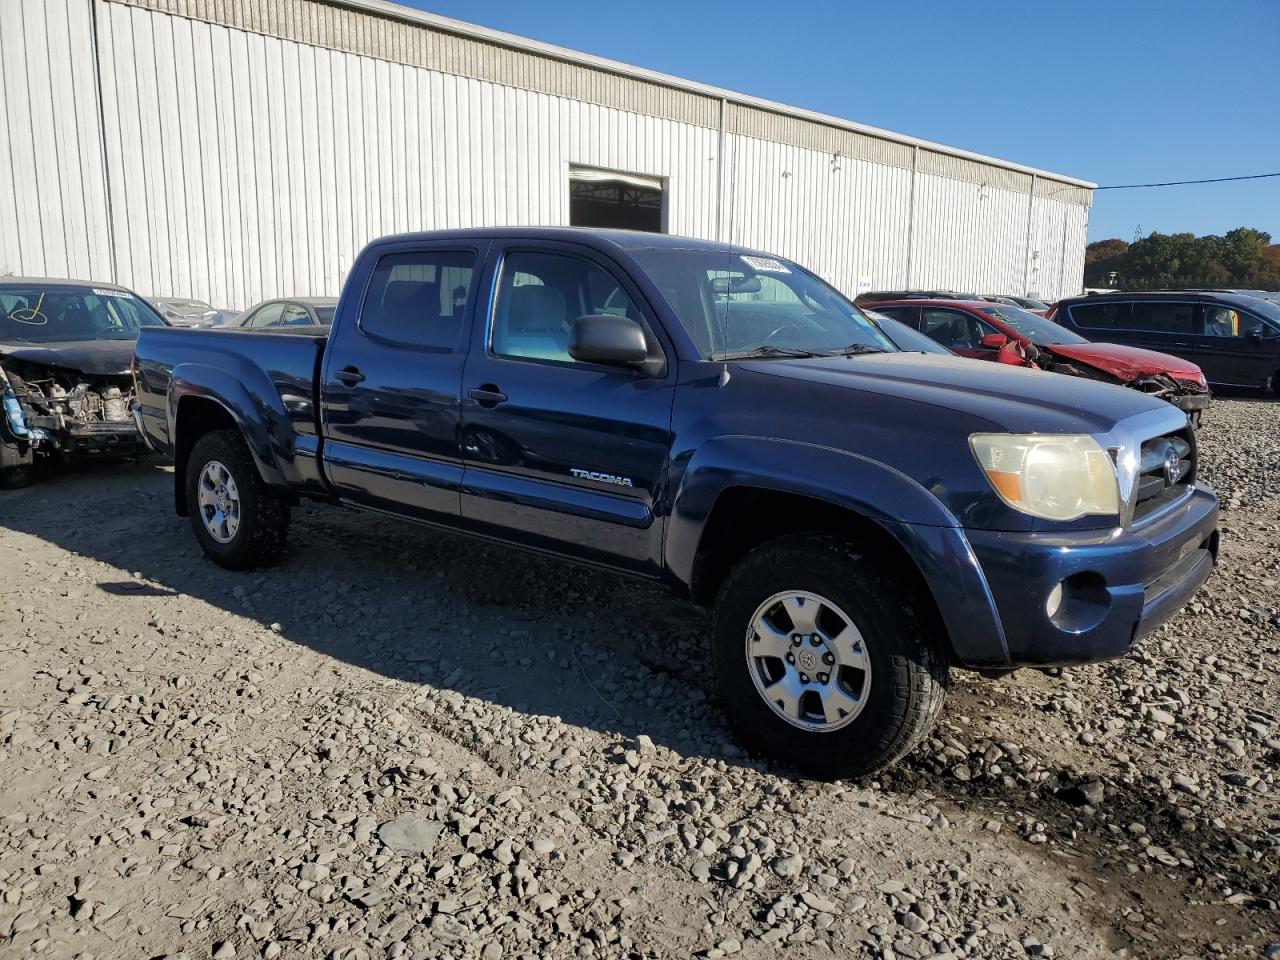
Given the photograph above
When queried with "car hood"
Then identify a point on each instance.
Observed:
(1127, 363)
(1006, 398)
(94, 357)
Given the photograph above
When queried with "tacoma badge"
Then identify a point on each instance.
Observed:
(601, 477)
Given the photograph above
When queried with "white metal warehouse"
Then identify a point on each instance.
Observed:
(234, 150)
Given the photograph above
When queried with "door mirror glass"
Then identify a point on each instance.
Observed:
(607, 338)
(993, 341)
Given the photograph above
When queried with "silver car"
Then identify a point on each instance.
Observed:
(291, 312)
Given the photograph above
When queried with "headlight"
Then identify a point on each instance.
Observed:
(1054, 476)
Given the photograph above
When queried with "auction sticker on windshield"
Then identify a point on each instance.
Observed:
(765, 264)
(98, 291)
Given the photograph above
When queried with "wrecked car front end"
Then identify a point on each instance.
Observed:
(65, 379)
(58, 410)
(1183, 385)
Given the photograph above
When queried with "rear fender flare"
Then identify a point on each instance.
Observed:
(254, 406)
(914, 517)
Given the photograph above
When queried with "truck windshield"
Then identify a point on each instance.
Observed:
(62, 313)
(1035, 328)
(735, 305)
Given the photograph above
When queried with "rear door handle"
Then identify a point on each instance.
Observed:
(487, 396)
(350, 376)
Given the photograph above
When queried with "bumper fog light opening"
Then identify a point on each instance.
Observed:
(1082, 602)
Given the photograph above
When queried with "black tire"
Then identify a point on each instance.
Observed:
(909, 669)
(16, 462)
(259, 539)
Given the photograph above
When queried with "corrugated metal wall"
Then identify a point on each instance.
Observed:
(53, 204)
(244, 165)
(267, 164)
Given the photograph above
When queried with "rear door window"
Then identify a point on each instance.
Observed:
(1108, 315)
(952, 328)
(419, 298)
(908, 315)
(1162, 316)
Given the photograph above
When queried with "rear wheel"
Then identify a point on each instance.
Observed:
(822, 658)
(239, 521)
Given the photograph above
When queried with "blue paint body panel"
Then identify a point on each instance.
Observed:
(624, 469)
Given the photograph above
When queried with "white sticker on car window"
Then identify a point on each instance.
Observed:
(102, 292)
(765, 264)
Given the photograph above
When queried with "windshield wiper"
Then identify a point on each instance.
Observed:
(769, 350)
(854, 349)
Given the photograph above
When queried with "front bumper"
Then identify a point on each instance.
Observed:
(72, 438)
(1118, 585)
(1192, 402)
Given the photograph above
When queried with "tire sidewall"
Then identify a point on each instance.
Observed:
(227, 451)
(860, 744)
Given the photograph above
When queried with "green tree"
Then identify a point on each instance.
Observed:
(1240, 258)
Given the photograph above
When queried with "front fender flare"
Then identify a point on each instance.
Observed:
(907, 511)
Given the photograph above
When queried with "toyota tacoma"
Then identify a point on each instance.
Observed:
(859, 520)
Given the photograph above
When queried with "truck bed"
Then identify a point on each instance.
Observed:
(271, 372)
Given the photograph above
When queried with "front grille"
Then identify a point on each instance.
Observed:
(1166, 471)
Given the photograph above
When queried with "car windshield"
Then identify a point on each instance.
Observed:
(735, 305)
(61, 313)
(325, 315)
(1035, 328)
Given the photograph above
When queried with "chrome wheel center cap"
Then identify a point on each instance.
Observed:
(808, 660)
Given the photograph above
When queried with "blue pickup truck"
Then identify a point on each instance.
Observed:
(859, 519)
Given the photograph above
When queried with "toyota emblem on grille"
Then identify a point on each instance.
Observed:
(1172, 467)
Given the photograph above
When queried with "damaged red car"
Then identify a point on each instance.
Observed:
(1009, 334)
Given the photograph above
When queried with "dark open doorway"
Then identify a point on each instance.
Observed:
(601, 198)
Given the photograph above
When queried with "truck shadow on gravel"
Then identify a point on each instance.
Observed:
(622, 658)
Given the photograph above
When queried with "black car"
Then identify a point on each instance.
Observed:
(292, 312)
(1234, 338)
(66, 347)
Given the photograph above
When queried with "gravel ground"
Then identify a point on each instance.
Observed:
(404, 744)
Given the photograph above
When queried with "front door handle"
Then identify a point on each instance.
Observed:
(350, 376)
(487, 395)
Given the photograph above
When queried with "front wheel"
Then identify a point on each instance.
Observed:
(823, 658)
(239, 521)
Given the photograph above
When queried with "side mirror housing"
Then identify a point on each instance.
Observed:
(608, 339)
(993, 341)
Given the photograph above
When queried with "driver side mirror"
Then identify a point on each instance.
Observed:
(608, 339)
(993, 341)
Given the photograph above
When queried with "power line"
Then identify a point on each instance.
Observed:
(1179, 183)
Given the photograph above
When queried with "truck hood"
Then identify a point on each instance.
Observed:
(93, 357)
(1126, 363)
(1005, 398)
